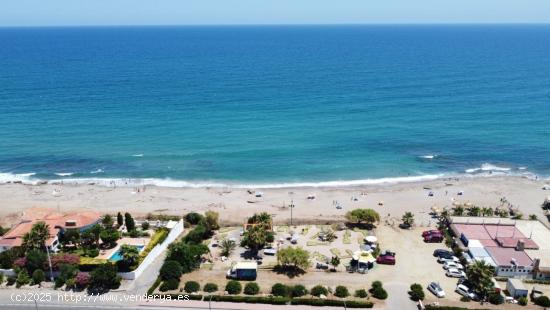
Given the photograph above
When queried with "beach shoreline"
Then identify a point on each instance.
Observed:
(235, 204)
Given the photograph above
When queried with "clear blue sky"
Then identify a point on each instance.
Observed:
(191, 12)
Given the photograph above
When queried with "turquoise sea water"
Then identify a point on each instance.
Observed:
(270, 105)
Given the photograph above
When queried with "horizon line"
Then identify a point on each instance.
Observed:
(281, 24)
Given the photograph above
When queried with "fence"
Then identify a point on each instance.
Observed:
(155, 252)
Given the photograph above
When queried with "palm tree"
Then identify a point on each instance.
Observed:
(227, 246)
(408, 219)
(458, 211)
(254, 238)
(335, 261)
(480, 274)
(129, 253)
(487, 211)
(474, 211)
(36, 238)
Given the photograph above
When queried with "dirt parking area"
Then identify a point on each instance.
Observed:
(415, 262)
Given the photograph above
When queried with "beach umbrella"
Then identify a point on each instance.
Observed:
(371, 239)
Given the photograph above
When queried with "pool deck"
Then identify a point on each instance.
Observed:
(106, 254)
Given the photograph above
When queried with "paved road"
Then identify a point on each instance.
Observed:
(398, 296)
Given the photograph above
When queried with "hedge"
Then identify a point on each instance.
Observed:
(159, 236)
(189, 296)
(331, 302)
(252, 299)
(295, 301)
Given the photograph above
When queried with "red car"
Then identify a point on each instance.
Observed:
(429, 232)
(386, 260)
(433, 238)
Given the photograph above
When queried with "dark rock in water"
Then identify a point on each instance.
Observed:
(42, 182)
(17, 182)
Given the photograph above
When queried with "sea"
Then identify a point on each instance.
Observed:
(273, 106)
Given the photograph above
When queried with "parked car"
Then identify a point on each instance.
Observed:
(453, 265)
(433, 238)
(455, 273)
(464, 291)
(386, 260)
(322, 266)
(442, 252)
(536, 293)
(443, 260)
(429, 232)
(436, 289)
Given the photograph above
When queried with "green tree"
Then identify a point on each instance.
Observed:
(36, 238)
(335, 261)
(104, 278)
(480, 274)
(35, 260)
(129, 222)
(251, 288)
(109, 237)
(279, 289)
(90, 237)
(416, 292)
(367, 216)
(187, 255)
(107, 221)
(296, 258)
(254, 238)
(71, 236)
(38, 276)
(191, 287)
(22, 278)
(319, 290)
(119, 219)
(233, 287)
(227, 246)
(341, 291)
(210, 287)
(211, 219)
(408, 219)
(171, 269)
(129, 253)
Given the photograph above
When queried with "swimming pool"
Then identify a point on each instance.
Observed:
(118, 255)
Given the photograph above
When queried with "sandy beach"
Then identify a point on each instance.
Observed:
(236, 204)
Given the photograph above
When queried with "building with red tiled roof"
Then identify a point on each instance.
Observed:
(57, 223)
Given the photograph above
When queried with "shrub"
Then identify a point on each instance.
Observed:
(279, 289)
(38, 276)
(104, 278)
(64, 259)
(196, 235)
(22, 278)
(145, 225)
(82, 279)
(171, 269)
(1, 278)
(210, 287)
(35, 260)
(91, 252)
(341, 291)
(70, 283)
(233, 287)
(495, 298)
(319, 290)
(522, 301)
(378, 291)
(20, 262)
(251, 288)
(170, 284)
(542, 301)
(299, 290)
(191, 287)
(416, 293)
(362, 293)
(11, 280)
(193, 218)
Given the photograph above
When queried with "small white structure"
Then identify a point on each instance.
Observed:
(516, 288)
